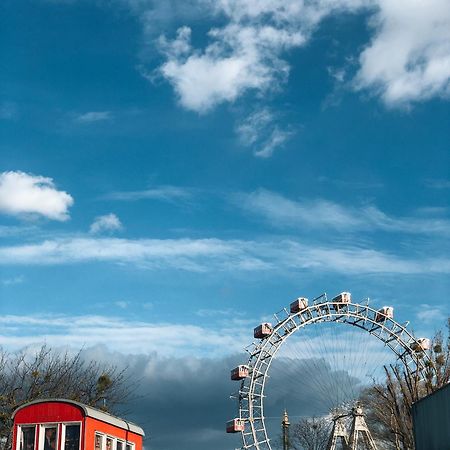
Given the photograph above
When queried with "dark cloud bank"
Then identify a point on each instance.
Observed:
(183, 403)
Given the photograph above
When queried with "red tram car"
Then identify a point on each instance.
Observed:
(60, 424)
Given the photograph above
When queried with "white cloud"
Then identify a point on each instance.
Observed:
(408, 59)
(239, 58)
(129, 336)
(357, 260)
(93, 116)
(245, 54)
(206, 255)
(276, 139)
(212, 313)
(217, 338)
(109, 222)
(249, 130)
(14, 230)
(165, 193)
(187, 254)
(261, 132)
(431, 314)
(26, 194)
(286, 11)
(283, 212)
(338, 74)
(13, 281)
(122, 304)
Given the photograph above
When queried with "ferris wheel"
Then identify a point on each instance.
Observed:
(329, 365)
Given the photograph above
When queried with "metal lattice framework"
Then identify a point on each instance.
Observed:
(251, 393)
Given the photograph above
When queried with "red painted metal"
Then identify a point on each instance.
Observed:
(49, 412)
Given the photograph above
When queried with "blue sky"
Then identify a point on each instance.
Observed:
(171, 173)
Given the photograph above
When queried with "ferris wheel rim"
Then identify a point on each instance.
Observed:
(251, 393)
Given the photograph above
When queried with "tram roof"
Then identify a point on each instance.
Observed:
(89, 411)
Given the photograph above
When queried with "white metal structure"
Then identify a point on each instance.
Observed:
(353, 437)
(360, 433)
(339, 310)
(339, 434)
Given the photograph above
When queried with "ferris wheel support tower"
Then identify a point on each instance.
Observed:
(360, 436)
(339, 435)
(360, 432)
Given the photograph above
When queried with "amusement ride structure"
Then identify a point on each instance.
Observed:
(341, 386)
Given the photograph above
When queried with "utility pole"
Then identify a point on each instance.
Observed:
(285, 429)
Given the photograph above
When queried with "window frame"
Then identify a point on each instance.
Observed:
(19, 434)
(126, 445)
(103, 442)
(42, 428)
(113, 442)
(63, 433)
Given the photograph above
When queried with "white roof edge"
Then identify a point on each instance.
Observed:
(89, 411)
(109, 418)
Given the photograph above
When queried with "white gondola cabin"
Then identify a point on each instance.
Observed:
(384, 313)
(239, 373)
(298, 305)
(341, 300)
(263, 330)
(343, 297)
(235, 426)
(421, 345)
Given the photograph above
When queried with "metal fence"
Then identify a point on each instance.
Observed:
(431, 419)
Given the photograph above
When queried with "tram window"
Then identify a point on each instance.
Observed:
(27, 438)
(98, 441)
(129, 446)
(50, 438)
(72, 437)
(109, 443)
(119, 445)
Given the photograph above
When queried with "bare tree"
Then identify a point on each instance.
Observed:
(310, 434)
(389, 405)
(49, 374)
